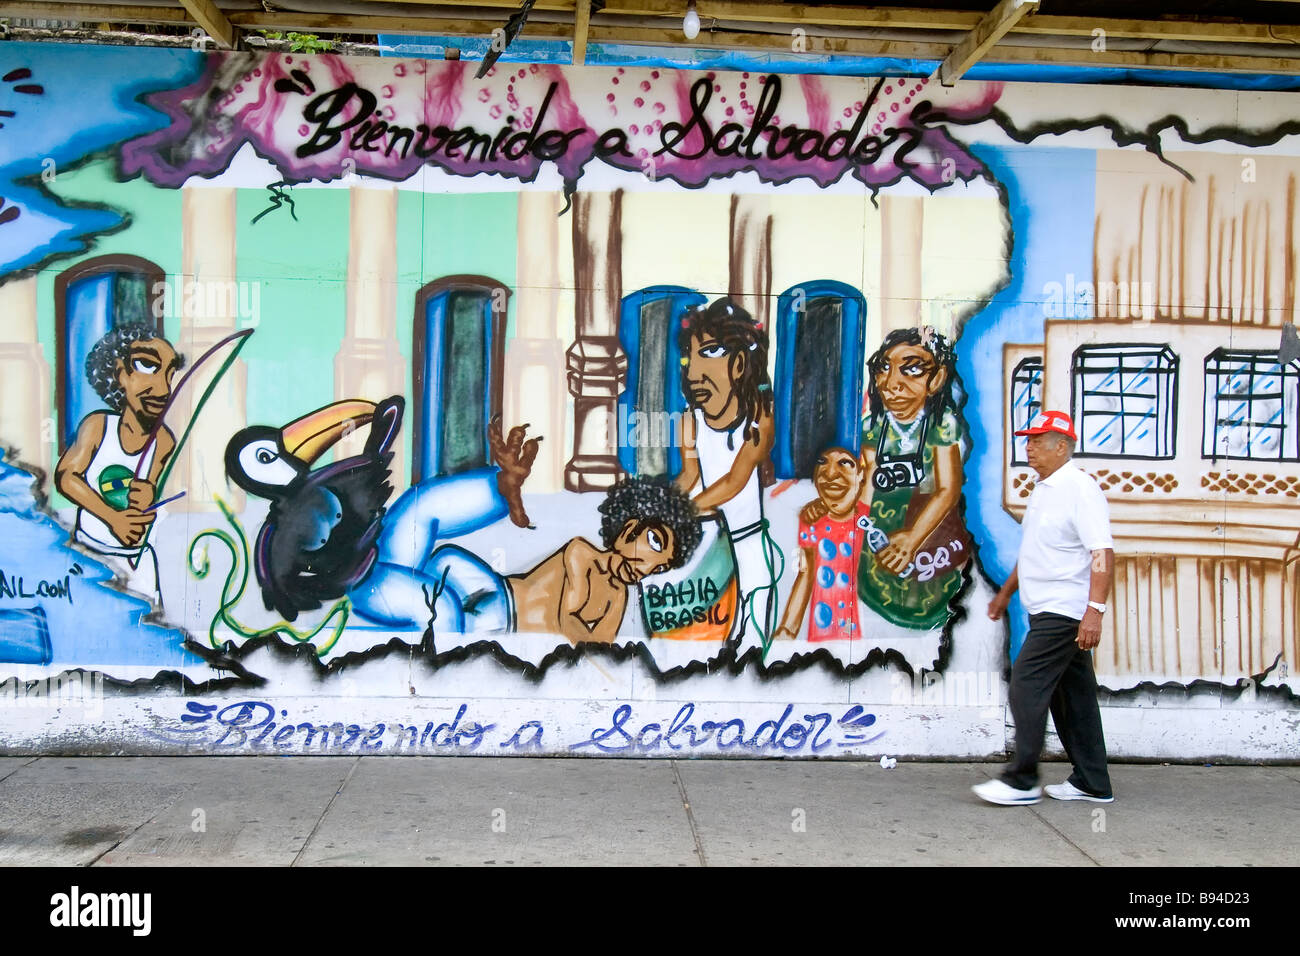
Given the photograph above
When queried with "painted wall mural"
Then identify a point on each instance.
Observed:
(363, 405)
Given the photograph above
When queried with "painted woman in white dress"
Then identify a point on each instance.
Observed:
(726, 444)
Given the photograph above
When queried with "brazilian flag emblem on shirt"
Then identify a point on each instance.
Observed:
(115, 485)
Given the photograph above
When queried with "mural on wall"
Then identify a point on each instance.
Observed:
(626, 376)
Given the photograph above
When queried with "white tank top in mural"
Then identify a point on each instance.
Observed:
(109, 476)
(717, 452)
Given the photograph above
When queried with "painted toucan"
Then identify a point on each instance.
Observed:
(319, 538)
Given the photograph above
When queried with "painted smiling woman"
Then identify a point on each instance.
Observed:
(916, 543)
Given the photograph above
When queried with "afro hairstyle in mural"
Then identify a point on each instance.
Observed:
(113, 350)
(651, 501)
(933, 342)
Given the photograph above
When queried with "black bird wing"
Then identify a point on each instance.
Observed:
(320, 539)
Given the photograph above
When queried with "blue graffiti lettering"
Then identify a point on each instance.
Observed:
(738, 740)
(255, 724)
(774, 726)
(533, 743)
(239, 718)
(599, 736)
(814, 734)
(373, 741)
(823, 720)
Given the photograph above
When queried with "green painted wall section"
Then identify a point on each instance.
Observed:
(296, 262)
(301, 269)
(442, 234)
(460, 235)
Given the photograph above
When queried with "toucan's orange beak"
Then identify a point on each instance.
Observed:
(310, 436)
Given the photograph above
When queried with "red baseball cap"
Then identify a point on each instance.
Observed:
(1051, 421)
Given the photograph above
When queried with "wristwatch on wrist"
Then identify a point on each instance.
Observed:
(1099, 608)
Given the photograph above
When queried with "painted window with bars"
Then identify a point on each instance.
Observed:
(1251, 404)
(1124, 400)
(1026, 402)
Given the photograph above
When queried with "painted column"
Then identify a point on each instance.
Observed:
(27, 431)
(749, 280)
(902, 228)
(597, 367)
(369, 363)
(209, 304)
(535, 354)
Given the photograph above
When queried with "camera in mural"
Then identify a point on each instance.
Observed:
(896, 473)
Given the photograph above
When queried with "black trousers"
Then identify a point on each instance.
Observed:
(1053, 672)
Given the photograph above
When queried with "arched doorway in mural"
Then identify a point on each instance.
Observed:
(651, 404)
(458, 358)
(820, 343)
(90, 298)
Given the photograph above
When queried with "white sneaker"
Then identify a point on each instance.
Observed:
(1068, 791)
(995, 791)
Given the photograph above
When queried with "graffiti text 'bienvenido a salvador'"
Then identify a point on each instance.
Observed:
(257, 725)
(694, 139)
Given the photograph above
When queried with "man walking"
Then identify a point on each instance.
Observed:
(1063, 574)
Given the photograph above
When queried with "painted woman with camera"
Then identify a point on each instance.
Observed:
(912, 451)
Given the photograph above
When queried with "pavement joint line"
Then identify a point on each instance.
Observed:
(307, 842)
(19, 767)
(122, 840)
(1289, 772)
(1050, 825)
(690, 816)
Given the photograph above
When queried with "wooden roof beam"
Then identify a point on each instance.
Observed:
(603, 31)
(213, 22)
(581, 24)
(95, 12)
(995, 25)
(811, 18)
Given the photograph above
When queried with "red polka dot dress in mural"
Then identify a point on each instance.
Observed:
(834, 612)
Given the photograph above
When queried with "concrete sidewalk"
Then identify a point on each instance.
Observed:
(131, 811)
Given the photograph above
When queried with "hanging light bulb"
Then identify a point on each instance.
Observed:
(691, 22)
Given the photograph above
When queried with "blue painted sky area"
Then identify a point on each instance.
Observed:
(526, 50)
(61, 116)
(50, 587)
(1050, 193)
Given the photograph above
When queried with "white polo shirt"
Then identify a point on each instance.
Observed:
(1066, 521)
